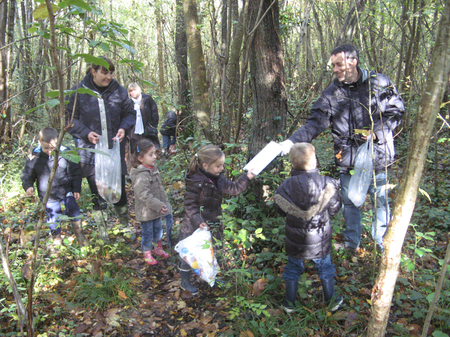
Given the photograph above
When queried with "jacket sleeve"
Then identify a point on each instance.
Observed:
(78, 129)
(391, 106)
(142, 190)
(233, 188)
(318, 122)
(151, 110)
(127, 112)
(28, 174)
(192, 203)
(75, 174)
(336, 201)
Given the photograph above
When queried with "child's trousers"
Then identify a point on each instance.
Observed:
(53, 210)
(152, 232)
(295, 268)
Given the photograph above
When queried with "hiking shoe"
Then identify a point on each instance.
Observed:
(335, 303)
(149, 259)
(287, 306)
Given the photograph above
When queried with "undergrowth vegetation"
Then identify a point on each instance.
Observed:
(110, 278)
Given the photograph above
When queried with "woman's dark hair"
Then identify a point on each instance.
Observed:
(207, 154)
(142, 147)
(96, 67)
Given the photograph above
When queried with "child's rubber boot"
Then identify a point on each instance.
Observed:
(291, 293)
(100, 219)
(333, 302)
(78, 231)
(186, 282)
(122, 215)
(159, 251)
(149, 259)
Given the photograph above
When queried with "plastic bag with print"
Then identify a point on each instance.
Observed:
(197, 250)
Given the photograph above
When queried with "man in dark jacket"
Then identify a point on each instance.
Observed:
(308, 199)
(111, 115)
(357, 99)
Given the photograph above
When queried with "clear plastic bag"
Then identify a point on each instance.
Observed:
(108, 170)
(360, 180)
(197, 250)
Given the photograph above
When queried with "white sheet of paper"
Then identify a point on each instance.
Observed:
(264, 157)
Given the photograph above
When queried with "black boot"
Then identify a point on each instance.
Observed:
(186, 282)
(291, 293)
(328, 292)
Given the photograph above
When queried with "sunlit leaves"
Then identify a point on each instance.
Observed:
(41, 12)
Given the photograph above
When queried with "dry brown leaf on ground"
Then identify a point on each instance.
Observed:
(247, 333)
(258, 287)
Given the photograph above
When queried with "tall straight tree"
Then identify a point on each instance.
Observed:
(198, 69)
(429, 105)
(159, 42)
(181, 63)
(267, 75)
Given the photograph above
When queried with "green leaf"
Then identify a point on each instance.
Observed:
(41, 12)
(104, 46)
(439, 334)
(430, 297)
(79, 3)
(92, 59)
(34, 109)
(53, 102)
(71, 155)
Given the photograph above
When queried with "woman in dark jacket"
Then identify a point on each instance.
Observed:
(85, 118)
(147, 111)
(205, 188)
(308, 199)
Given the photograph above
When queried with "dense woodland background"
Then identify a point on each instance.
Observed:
(243, 73)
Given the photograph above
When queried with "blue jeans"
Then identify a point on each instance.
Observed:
(294, 268)
(168, 140)
(53, 210)
(352, 214)
(152, 232)
(169, 224)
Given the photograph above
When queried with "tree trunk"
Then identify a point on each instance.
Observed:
(4, 107)
(429, 105)
(198, 68)
(181, 54)
(351, 23)
(162, 84)
(267, 77)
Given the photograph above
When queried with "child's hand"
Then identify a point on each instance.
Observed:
(76, 195)
(250, 174)
(30, 191)
(164, 209)
(203, 226)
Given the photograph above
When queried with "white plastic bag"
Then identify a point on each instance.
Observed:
(360, 180)
(197, 250)
(108, 170)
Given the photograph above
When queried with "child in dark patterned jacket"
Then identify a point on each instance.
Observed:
(65, 189)
(308, 199)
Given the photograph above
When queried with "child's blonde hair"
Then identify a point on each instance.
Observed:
(303, 156)
(207, 154)
(142, 147)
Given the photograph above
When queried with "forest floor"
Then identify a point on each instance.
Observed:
(149, 301)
